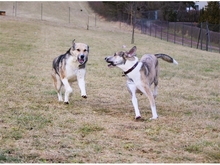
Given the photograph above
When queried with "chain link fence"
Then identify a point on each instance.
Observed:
(59, 12)
(189, 34)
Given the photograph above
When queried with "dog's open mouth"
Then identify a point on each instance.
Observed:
(111, 65)
(81, 61)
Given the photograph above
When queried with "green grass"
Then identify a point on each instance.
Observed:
(36, 128)
(89, 128)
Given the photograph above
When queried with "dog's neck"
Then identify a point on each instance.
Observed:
(129, 66)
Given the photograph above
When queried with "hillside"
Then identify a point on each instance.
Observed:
(36, 128)
(75, 14)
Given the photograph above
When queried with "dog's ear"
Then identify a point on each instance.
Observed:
(132, 52)
(88, 48)
(73, 44)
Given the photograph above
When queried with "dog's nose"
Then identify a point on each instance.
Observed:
(82, 56)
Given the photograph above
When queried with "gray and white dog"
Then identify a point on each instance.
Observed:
(70, 67)
(140, 75)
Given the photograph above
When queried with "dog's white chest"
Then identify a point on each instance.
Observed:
(135, 74)
(71, 73)
(71, 70)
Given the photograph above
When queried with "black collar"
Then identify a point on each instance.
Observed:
(132, 68)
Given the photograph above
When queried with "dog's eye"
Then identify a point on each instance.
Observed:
(78, 50)
(85, 50)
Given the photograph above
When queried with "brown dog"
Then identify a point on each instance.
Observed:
(140, 74)
(70, 67)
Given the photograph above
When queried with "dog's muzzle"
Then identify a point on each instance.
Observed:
(111, 63)
(82, 59)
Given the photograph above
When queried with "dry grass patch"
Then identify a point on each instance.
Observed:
(35, 128)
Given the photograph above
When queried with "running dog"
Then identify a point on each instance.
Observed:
(70, 67)
(140, 75)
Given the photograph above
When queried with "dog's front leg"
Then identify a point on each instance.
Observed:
(132, 89)
(81, 82)
(68, 90)
(147, 91)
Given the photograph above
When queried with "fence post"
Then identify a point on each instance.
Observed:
(201, 37)
(161, 31)
(88, 23)
(167, 32)
(183, 33)
(207, 37)
(207, 44)
(174, 32)
(41, 11)
(69, 14)
(191, 33)
(219, 37)
(142, 27)
(95, 22)
(16, 8)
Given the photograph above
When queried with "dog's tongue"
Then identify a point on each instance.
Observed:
(81, 61)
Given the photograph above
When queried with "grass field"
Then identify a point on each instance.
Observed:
(36, 128)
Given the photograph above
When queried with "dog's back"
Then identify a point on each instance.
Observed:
(149, 67)
(149, 60)
(58, 62)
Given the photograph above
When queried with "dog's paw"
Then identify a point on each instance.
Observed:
(84, 96)
(66, 102)
(137, 117)
(154, 118)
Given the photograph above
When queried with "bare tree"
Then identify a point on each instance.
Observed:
(134, 7)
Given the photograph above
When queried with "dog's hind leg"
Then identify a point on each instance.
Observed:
(59, 93)
(155, 87)
(132, 90)
(58, 85)
(68, 90)
(152, 104)
(156, 79)
(147, 91)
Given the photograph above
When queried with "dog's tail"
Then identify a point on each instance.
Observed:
(166, 58)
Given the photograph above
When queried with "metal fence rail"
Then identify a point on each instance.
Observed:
(184, 33)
